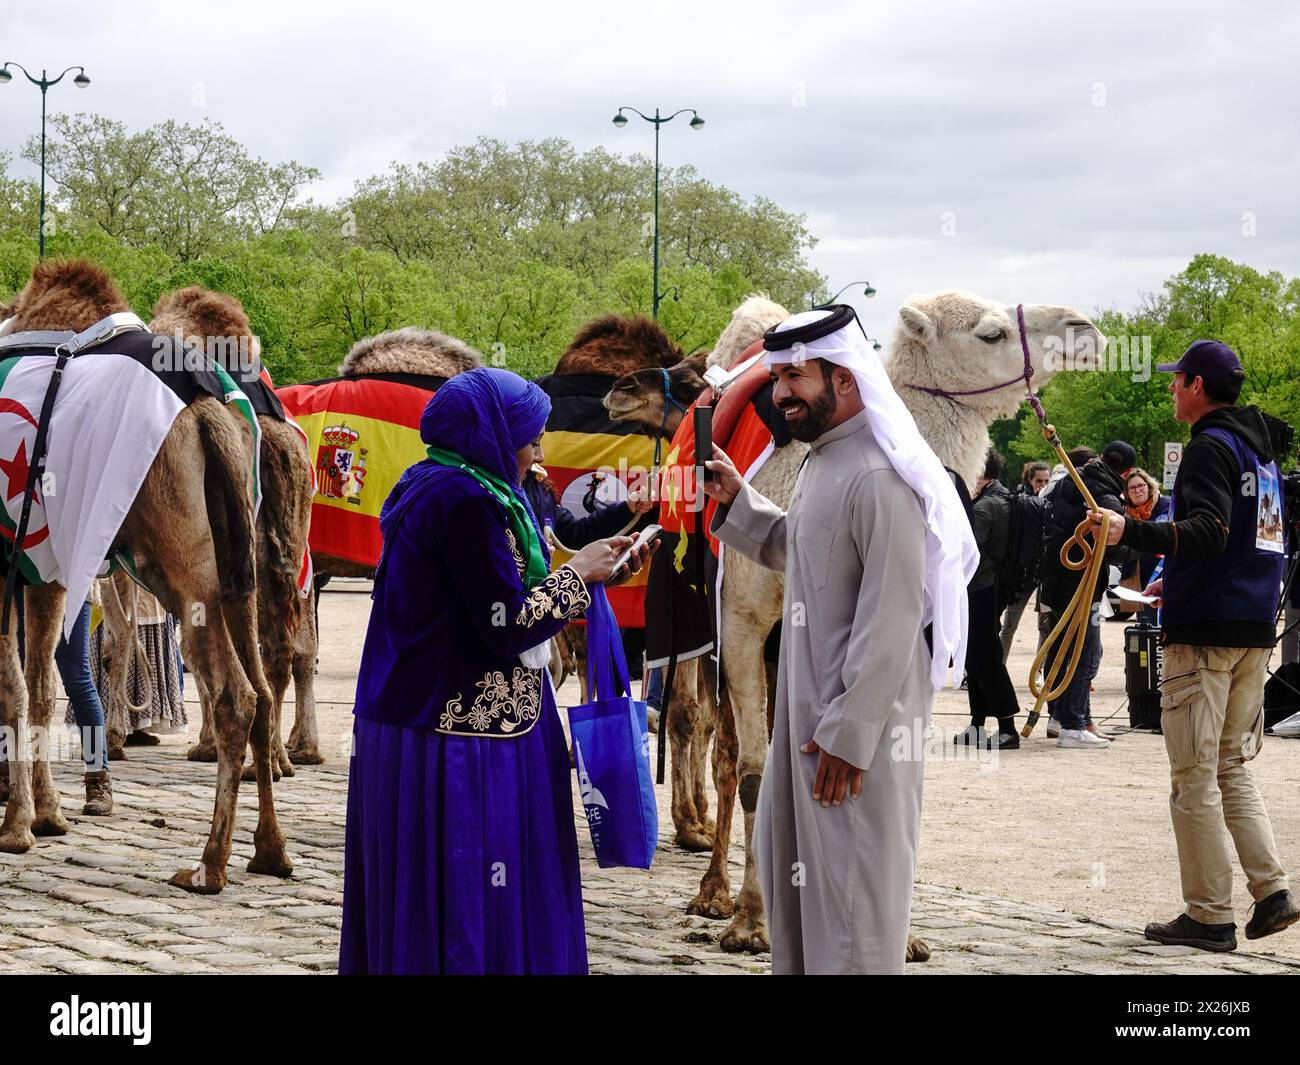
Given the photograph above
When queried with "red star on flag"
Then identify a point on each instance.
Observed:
(16, 470)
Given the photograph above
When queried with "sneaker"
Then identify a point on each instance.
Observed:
(1185, 931)
(1053, 728)
(1081, 738)
(1097, 732)
(973, 735)
(99, 794)
(1273, 914)
(1008, 741)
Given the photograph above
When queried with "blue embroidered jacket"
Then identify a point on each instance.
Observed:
(450, 615)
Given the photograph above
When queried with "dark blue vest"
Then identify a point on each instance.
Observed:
(1245, 581)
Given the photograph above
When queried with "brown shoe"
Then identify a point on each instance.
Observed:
(1273, 914)
(142, 739)
(99, 794)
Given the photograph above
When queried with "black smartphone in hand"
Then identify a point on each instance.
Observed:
(703, 441)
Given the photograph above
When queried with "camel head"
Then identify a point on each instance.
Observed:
(612, 346)
(200, 312)
(65, 294)
(410, 350)
(958, 342)
(754, 317)
(639, 396)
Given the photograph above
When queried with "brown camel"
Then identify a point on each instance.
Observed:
(286, 622)
(190, 536)
(954, 341)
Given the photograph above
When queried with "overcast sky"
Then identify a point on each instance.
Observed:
(1066, 153)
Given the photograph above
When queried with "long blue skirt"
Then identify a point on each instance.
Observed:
(461, 854)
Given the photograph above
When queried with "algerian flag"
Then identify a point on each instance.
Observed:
(110, 420)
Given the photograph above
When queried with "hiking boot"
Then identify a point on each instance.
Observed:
(1185, 931)
(1273, 914)
(99, 794)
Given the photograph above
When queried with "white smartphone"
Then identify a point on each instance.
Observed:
(645, 536)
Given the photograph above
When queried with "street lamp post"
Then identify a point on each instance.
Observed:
(620, 120)
(43, 83)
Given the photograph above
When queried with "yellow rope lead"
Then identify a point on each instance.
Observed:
(1071, 631)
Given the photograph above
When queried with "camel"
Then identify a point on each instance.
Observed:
(190, 536)
(286, 625)
(952, 341)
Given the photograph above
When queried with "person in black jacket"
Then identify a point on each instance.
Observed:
(1105, 478)
(988, 684)
(572, 531)
(1033, 479)
(1224, 559)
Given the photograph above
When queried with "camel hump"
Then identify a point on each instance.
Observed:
(426, 352)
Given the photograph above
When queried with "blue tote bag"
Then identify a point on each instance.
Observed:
(611, 750)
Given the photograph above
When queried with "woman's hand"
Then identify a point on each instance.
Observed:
(595, 562)
(633, 565)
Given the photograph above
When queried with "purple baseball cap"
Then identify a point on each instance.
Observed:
(1208, 359)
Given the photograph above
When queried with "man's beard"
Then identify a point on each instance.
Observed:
(815, 418)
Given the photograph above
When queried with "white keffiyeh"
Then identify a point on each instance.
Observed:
(951, 554)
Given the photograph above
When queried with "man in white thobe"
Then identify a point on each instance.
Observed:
(839, 810)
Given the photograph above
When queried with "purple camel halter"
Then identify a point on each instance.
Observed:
(1025, 376)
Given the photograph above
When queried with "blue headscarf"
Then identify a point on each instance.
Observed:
(484, 417)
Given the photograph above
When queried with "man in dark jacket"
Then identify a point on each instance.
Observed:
(1105, 478)
(988, 683)
(1219, 597)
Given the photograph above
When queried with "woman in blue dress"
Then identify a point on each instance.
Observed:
(461, 852)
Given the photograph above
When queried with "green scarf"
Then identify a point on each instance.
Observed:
(524, 529)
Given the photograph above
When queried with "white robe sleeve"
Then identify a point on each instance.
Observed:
(754, 526)
(888, 529)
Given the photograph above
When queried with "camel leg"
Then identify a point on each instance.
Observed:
(683, 712)
(269, 853)
(44, 624)
(233, 703)
(206, 749)
(714, 898)
(277, 654)
(743, 637)
(16, 831)
(304, 745)
(701, 738)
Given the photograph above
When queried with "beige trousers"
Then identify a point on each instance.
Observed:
(1212, 716)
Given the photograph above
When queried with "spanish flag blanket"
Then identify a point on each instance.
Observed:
(115, 408)
(362, 432)
(592, 461)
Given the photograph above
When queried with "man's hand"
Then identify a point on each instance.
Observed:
(834, 777)
(1113, 531)
(1156, 588)
(633, 565)
(727, 482)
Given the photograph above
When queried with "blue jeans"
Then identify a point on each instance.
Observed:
(654, 693)
(1072, 709)
(72, 657)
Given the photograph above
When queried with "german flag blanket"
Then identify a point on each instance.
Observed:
(592, 460)
(362, 432)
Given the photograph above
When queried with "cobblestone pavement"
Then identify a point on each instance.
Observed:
(97, 900)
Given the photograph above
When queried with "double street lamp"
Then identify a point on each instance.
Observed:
(43, 83)
(620, 120)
